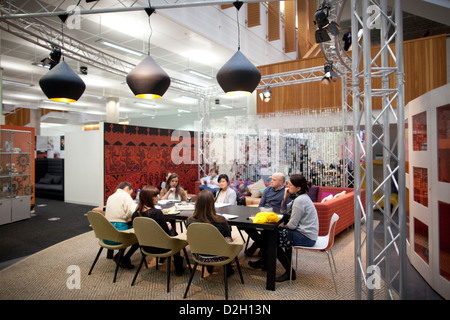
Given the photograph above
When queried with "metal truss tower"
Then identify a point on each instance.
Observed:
(368, 64)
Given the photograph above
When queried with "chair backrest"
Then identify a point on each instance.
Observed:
(149, 233)
(103, 229)
(331, 231)
(204, 238)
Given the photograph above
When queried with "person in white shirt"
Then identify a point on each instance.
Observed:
(120, 206)
(210, 182)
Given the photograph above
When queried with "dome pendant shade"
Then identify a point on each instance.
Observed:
(148, 80)
(62, 84)
(238, 77)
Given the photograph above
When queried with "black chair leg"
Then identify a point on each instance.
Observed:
(169, 260)
(119, 259)
(145, 261)
(190, 279)
(239, 269)
(138, 269)
(187, 259)
(95, 261)
(225, 276)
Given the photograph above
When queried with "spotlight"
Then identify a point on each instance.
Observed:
(53, 58)
(329, 75)
(265, 95)
(324, 25)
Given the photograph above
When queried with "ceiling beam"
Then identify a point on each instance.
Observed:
(124, 8)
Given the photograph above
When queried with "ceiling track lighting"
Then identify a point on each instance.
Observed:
(265, 95)
(148, 80)
(324, 25)
(61, 83)
(238, 76)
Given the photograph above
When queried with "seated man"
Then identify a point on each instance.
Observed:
(271, 198)
(210, 182)
(273, 194)
(120, 206)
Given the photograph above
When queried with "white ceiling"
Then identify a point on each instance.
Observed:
(174, 45)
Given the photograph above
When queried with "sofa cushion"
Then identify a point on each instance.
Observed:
(326, 195)
(327, 198)
(340, 194)
(254, 188)
(312, 193)
(45, 180)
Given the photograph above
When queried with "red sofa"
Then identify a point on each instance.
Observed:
(343, 206)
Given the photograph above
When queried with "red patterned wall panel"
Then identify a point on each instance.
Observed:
(143, 155)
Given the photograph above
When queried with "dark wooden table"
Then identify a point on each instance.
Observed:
(243, 220)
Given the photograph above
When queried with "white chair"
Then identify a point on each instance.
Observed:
(323, 243)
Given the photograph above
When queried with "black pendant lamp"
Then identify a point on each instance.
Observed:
(148, 80)
(61, 83)
(238, 76)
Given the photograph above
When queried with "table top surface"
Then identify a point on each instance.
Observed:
(243, 214)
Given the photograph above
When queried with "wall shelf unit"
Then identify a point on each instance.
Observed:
(15, 175)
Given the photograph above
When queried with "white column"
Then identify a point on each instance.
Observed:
(112, 110)
(35, 120)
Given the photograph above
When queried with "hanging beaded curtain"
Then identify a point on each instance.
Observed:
(308, 142)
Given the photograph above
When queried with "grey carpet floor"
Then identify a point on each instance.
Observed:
(48, 275)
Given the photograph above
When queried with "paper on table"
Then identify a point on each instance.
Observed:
(220, 205)
(228, 216)
(185, 207)
(163, 202)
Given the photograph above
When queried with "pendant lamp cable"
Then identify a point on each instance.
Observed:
(62, 39)
(150, 35)
(238, 5)
(149, 12)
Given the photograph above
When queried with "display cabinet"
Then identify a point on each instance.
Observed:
(428, 183)
(15, 175)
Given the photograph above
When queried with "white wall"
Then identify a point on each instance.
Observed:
(83, 172)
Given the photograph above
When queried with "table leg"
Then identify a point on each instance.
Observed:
(271, 259)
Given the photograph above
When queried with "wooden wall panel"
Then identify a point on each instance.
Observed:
(290, 41)
(425, 64)
(253, 14)
(273, 27)
(20, 117)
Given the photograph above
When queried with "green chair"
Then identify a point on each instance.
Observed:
(205, 239)
(150, 234)
(104, 230)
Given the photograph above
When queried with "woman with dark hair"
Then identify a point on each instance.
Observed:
(206, 212)
(225, 194)
(173, 190)
(301, 225)
(148, 198)
(302, 214)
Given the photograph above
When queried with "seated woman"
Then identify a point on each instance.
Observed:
(301, 226)
(148, 198)
(173, 190)
(206, 212)
(226, 194)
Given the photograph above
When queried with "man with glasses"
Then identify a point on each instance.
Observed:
(273, 194)
(271, 198)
